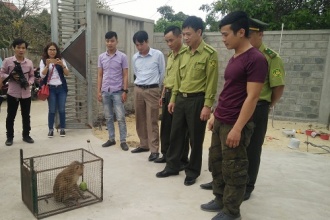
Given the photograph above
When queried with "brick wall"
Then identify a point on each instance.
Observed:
(306, 57)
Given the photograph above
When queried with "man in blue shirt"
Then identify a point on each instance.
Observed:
(148, 66)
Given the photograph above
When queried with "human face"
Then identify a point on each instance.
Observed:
(231, 40)
(173, 42)
(191, 37)
(111, 44)
(51, 52)
(255, 38)
(19, 51)
(143, 47)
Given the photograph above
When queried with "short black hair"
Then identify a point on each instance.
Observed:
(111, 34)
(19, 41)
(193, 22)
(237, 21)
(140, 36)
(175, 29)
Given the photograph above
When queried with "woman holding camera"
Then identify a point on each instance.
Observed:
(53, 70)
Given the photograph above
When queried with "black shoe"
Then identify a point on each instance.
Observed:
(223, 216)
(9, 142)
(109, 143)
(28, 139)
(62, 133)
(166, 173)
(211, 206)
(139, 150)
(153, 156)
(207, 186)
(246, 196)
(161, 160)
(51, 134)
(124, 146)
(188, 181)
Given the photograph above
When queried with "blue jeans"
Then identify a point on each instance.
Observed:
(112, 104)
(56, 101)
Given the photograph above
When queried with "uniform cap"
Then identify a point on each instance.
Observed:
(257, 25)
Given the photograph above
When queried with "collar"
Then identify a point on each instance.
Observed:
(200, 47)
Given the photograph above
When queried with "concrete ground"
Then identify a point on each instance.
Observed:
(291, 185)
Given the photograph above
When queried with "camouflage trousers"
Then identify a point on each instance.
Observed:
(229, 167)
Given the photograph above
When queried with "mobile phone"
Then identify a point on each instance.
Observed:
(53, 61)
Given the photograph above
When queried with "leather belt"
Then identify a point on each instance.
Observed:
(262, 102)
(187, 95)
(168, 90)
(147, 86)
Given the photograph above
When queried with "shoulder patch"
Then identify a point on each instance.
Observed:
(276, 73)
(209, 49)
(272, 54)
(213, 63)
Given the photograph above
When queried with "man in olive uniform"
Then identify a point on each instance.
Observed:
(270, 94)
(173, 38)
(193, 95)
(232, 124)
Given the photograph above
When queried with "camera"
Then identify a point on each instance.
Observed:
(21, 78)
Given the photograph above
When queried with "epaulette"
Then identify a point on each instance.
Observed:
(272, 54)
(209, 49)
(183, 50)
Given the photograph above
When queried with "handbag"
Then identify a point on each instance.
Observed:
(43, 93)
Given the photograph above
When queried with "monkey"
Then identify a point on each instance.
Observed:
(65, 188)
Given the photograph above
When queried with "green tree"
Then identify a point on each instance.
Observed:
(26, 23)
(104, 4)
(168, 17)
(295, 14)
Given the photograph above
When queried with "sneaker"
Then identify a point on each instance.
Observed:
(28, 139)
(62, 133)
(9, 142)
(51, 134)
(124, 146)
(109, 143)
(223, 216)
(211, 206)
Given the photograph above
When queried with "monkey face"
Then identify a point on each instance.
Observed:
(79, 169)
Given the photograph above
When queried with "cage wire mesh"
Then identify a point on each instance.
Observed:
(38, 175)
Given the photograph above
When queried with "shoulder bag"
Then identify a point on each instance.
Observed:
(43, 93)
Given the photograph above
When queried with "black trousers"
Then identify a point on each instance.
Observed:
(186, 116)
(260, 119)
(165, 130)
(12, 106)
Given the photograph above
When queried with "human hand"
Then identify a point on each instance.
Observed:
(59, 62)
(123, 97)
(205, 113)
(210, 124)
(99, 97)
(160, 102)
(170, 107)
(233, 138)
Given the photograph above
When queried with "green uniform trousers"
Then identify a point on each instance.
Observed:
(186, 116)
(165, 130)
(229, 167)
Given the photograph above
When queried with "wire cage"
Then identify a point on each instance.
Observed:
(38, 175)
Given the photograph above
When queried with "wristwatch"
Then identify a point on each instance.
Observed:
(124, 90)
